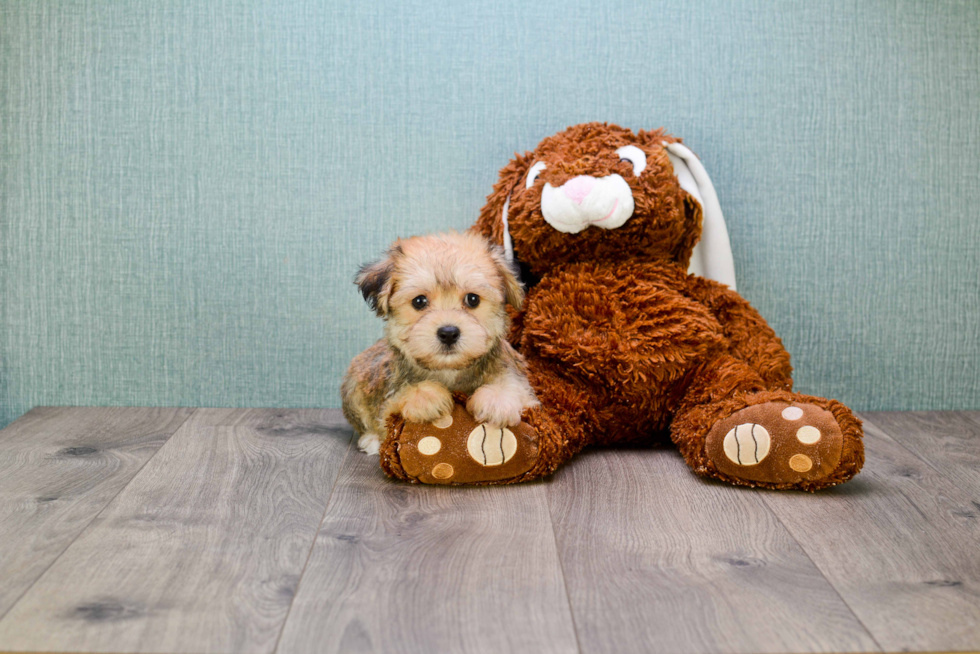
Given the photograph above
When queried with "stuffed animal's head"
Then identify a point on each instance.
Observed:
(597, 192)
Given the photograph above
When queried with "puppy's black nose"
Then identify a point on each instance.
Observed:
(448, 334)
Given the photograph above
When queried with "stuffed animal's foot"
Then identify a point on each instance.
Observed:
(787, 443)
(456, 449)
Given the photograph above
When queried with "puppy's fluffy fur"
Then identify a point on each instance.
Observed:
(443, 300)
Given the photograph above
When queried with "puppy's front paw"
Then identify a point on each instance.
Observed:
(369, 443)
(426, 402)
(497, 406)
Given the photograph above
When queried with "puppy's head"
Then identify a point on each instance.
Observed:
(443, 297)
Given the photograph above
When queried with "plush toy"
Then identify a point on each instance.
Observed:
(622, 343)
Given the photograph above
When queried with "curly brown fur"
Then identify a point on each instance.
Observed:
(750, 337)
(670, 230)
(621, 343)
(443, 300)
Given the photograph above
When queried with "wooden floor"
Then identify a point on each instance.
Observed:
(253, 531)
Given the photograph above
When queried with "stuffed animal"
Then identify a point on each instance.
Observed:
(622, 342)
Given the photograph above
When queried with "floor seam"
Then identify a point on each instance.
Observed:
(765, 502)
(316, 535)
(561, 569)
(935, 468)
(84, 529)
(866, 421)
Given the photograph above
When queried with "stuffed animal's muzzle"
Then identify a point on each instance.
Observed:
(583, 201)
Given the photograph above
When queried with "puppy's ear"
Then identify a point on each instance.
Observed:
(376, 283)
(513, 290)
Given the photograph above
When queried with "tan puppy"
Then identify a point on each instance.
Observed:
(442, 298)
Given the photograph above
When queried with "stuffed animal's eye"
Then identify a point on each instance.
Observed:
(533, 173)
(472, 300)
(420, 302)
(635, 156)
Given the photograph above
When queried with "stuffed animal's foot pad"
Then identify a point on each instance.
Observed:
(776, 442)
(458, 450)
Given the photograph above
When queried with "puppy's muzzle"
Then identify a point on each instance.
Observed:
(448, 335)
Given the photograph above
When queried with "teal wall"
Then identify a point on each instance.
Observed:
(186, 188)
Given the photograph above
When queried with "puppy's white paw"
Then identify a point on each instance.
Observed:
(369, 443)
(497, 406)
(426, 402)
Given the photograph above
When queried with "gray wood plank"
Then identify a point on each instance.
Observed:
(58, 468)
(948, 440)
(658, 560)
(900, 544)
(203, 551)
(409, 568)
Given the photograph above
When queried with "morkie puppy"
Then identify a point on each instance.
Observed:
(442, 298)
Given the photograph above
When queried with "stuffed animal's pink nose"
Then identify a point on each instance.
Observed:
(577, 188)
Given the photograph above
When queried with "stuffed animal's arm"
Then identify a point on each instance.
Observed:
(516, 325)
(615, 328)
(751, 337)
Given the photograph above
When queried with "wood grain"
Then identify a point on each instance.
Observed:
(408, 568)
(948, 440)
(900, 544)
(203, 551)
(198, 543)
(657, 560)
(58, 468)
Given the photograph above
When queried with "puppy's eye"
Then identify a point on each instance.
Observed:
(420, 302)
(472, 300)
(532, 174)
(634, 156)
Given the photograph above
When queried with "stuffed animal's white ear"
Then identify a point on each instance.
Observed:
(712, 256)
(508, 244)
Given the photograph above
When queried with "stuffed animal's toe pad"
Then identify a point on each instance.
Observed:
(491, 446)
(458, 450)
(776, 442)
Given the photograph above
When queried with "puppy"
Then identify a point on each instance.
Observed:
(443, 301)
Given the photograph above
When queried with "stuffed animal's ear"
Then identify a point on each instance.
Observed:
(376, 283)
(513, 290)
(712, 256)
(492, 222)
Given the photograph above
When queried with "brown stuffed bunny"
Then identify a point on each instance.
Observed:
(621, 343)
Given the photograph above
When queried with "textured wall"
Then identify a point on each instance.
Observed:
(187, 187)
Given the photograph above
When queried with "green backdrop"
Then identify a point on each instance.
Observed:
(187, 188)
